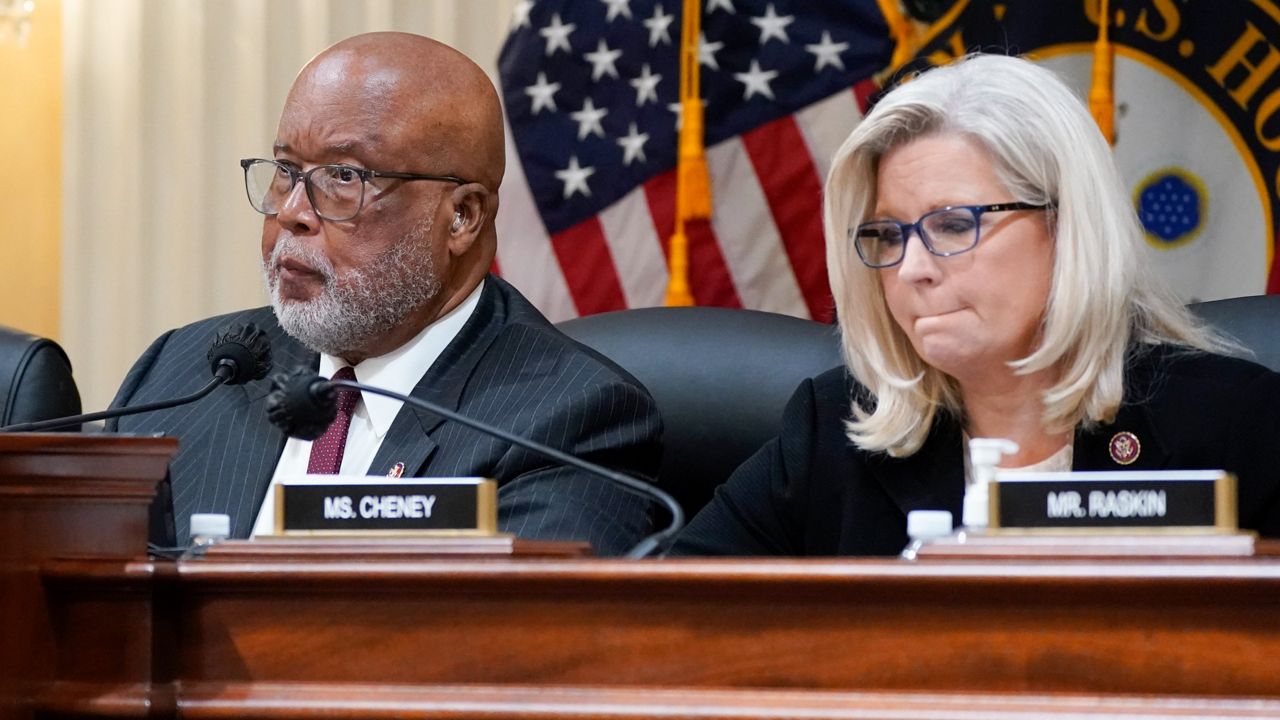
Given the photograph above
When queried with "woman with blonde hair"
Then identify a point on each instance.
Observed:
(988, 278)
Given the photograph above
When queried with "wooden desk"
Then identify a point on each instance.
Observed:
(286, 631)
(248, 635)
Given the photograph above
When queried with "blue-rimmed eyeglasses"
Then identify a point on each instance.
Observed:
(336, 192)
(945, 232)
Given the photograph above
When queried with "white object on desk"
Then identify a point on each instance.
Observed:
(984, 455)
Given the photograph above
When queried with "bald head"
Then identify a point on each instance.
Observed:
(421, 99)
(417, 245)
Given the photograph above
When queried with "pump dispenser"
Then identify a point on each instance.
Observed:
(984, 455)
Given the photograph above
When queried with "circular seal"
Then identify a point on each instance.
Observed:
(1125, 447)
(1171, 206)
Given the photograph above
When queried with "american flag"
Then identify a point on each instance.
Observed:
(590, 89)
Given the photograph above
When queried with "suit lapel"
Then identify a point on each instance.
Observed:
(228, 459)
(287, 355)
(409, 440)
(1098, 449)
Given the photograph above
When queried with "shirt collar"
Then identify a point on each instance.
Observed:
(402, 368)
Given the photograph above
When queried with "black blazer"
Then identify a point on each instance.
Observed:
(811, 492)
(508, 366)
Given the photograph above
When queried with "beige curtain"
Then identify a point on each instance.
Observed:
(161, 98)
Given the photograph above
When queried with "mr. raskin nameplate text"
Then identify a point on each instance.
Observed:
(336, 505)
(1133, 502)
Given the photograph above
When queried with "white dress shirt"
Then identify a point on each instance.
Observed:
(398, 371)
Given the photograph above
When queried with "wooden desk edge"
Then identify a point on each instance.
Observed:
(319, 701)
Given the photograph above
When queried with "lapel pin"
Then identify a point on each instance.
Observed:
(396, 471)
(1125, 447)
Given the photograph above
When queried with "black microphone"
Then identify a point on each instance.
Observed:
(303, 405)
(239, 353)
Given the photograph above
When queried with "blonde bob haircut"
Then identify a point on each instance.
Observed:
(1047, 150)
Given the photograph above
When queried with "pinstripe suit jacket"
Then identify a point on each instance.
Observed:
(508, 366)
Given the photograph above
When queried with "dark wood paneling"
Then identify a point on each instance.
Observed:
(63, 495)
(1207, 628)
(505, 629)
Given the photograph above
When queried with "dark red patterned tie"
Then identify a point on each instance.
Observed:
(326, 450)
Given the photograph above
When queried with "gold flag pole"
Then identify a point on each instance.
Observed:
(693, 185)
(1102, 102)
(901, 30)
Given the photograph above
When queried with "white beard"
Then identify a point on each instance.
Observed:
(352, 310)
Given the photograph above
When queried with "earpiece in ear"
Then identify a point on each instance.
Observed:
(457, 222)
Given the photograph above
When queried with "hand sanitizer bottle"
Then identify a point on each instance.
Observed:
(984, 455)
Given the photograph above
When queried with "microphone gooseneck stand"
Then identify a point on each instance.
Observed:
(302, 404)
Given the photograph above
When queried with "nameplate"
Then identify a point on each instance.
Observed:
(335, 505)
(1178, 501)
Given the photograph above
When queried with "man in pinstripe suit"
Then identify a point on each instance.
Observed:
(377, 239)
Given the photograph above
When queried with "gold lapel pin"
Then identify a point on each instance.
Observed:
(1125, 447)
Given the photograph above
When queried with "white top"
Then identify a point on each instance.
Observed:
(398, 371)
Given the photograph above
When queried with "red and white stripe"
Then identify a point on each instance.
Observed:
(762, 248)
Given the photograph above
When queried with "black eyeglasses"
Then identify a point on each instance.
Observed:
(336, 192)
(944, 232)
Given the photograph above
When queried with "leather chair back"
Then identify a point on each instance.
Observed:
(1253, 321)
(720, 377)
(35, 379)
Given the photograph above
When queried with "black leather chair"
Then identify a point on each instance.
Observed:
(720, 378)
(35, 379)
(1253, 321)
